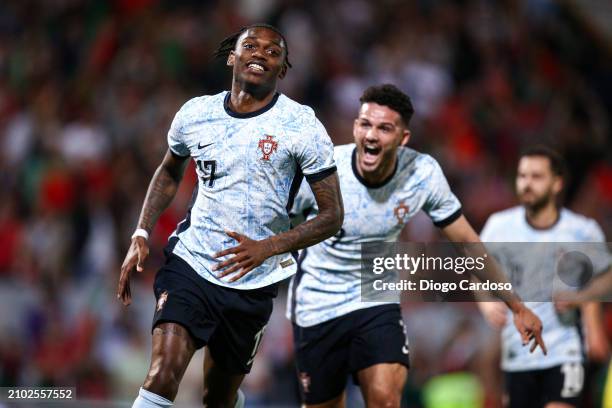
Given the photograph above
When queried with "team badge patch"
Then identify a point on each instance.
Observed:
(162, 300)
(401, 212)
(305, 382)
(267, 147)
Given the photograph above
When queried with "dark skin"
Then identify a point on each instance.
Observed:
(257, 62)
(249, 254)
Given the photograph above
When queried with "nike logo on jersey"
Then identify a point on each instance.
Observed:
(201, 146)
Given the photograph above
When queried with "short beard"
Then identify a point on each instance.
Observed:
(539, 204)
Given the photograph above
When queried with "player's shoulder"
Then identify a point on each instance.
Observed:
(509, 215)
(201, 103)
(287, 103)
(343, 156)
(576, 220)
(345, 150)
(415, 162)
(295, 109)
(572, 216)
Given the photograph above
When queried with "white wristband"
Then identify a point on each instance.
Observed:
(140, 232)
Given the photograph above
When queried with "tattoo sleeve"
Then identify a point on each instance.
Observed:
(162, 189)
(324, 225)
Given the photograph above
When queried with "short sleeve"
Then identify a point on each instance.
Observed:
(598, 252)
(595, 232)
(175, 134)
(441, 204)
(314, 150)
(486, 235)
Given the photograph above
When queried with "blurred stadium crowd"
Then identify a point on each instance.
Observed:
(88, 89)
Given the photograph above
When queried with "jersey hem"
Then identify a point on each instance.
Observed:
(197, 269)
(342, 312)
(542, 366)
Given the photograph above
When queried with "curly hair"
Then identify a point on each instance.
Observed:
(390, 96)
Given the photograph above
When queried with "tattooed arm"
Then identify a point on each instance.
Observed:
(162, 190)
(249, 254)
(324, 225)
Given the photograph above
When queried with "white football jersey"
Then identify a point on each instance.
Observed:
(328, 282)
(532, 270)
(249, 168)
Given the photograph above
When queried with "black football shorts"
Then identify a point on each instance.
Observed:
(230, 322)
(536, 388)
(328, 352)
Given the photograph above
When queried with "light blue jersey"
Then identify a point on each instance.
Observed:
(249, 168)
(526, 264)
(328, 281)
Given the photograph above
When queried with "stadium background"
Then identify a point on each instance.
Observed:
(88, 90)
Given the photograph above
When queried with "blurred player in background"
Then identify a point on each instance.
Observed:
(555, 380)
(252, 146)
(384, 184)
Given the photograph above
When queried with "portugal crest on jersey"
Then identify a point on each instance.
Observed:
(401, 212)
(267, 147)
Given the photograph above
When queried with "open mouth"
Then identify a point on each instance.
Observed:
(370, 153)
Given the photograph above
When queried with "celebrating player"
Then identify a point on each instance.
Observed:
(252, 146)
(556, 380)
(384, 184)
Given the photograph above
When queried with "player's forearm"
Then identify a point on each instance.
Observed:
(324, 225)
(161, 191)
(310, 233)
(592, 316)
(461, 233)
(492, 273)
(599, 288)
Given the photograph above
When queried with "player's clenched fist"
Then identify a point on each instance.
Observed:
(138, 252)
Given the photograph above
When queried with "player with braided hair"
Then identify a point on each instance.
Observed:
(228, 44)
(252, 147)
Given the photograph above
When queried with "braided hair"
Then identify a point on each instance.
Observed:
(229, 43)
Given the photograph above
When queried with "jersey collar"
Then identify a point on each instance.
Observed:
(547, 228)
(364, 181)
(246, 115)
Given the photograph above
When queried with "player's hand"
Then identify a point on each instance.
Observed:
(135, 258)
(248, 255)
(530, 328)
(495, 313)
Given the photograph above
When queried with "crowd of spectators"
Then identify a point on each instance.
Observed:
(88, 89)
